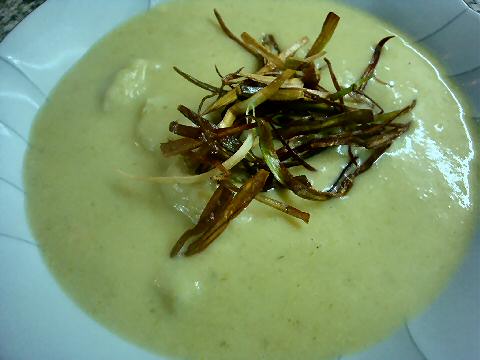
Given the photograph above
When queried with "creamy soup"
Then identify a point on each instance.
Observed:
(270, 287)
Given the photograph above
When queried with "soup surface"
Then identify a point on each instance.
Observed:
(270, 287)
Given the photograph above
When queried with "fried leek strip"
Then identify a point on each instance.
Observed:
(264, 122)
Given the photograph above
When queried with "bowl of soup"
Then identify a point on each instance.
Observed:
(388, 271)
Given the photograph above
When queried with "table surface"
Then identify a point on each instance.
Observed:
(14, 11)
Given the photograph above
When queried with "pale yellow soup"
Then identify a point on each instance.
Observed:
(270, 287)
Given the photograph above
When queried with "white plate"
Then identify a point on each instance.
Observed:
(38, 321)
